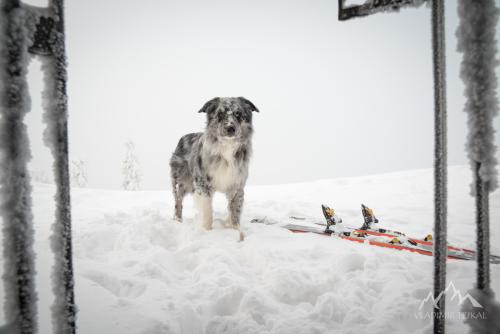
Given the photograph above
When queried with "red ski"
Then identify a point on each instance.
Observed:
(378, 236)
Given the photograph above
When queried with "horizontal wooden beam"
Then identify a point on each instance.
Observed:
(372, 7)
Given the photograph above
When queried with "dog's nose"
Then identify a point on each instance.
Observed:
(230, 130)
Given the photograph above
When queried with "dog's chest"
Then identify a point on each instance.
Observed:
(225, 172)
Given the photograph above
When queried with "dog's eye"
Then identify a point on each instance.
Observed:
(237, 115)
(220, 116)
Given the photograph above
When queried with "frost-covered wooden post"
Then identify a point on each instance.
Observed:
(476, 40)
(440, 150)
(440, 163)
(41, 32)
(49, 43)
(19, 268)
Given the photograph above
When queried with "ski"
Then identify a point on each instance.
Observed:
(376, 236)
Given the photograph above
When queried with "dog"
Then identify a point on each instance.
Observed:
(215, 160)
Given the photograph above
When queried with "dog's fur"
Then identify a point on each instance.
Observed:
(215, 160)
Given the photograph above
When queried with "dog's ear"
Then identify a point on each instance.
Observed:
(249, 105)
(210, 105)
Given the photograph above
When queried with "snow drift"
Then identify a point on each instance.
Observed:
(139, 271)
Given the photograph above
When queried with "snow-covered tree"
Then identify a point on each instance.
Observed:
(131, 170)
(78, 172)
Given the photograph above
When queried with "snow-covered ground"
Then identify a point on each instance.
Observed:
(139, 271)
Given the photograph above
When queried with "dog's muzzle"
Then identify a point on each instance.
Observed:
(229, 131)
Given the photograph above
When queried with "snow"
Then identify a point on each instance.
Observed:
(137, 270)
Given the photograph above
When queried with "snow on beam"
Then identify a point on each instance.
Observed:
(15, 191)
(374, 6)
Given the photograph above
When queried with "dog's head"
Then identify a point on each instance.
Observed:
(229, 117)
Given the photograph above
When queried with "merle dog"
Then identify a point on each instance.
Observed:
(215, 160)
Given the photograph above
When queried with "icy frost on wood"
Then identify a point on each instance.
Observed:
(440, 161)
(131, 171)
(482, 231)
(19, 269)
(476, 40)
(374, 6)
(56, 138)
(487, 323)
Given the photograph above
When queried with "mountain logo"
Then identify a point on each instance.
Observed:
(456, 295)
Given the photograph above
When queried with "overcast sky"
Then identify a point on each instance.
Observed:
(336, 98)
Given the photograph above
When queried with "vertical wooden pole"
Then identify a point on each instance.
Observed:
(482, 230)
(440, 162)
(63, 310)
(19, 262)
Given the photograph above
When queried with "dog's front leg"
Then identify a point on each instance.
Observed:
(235, 205)
(204, 204)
